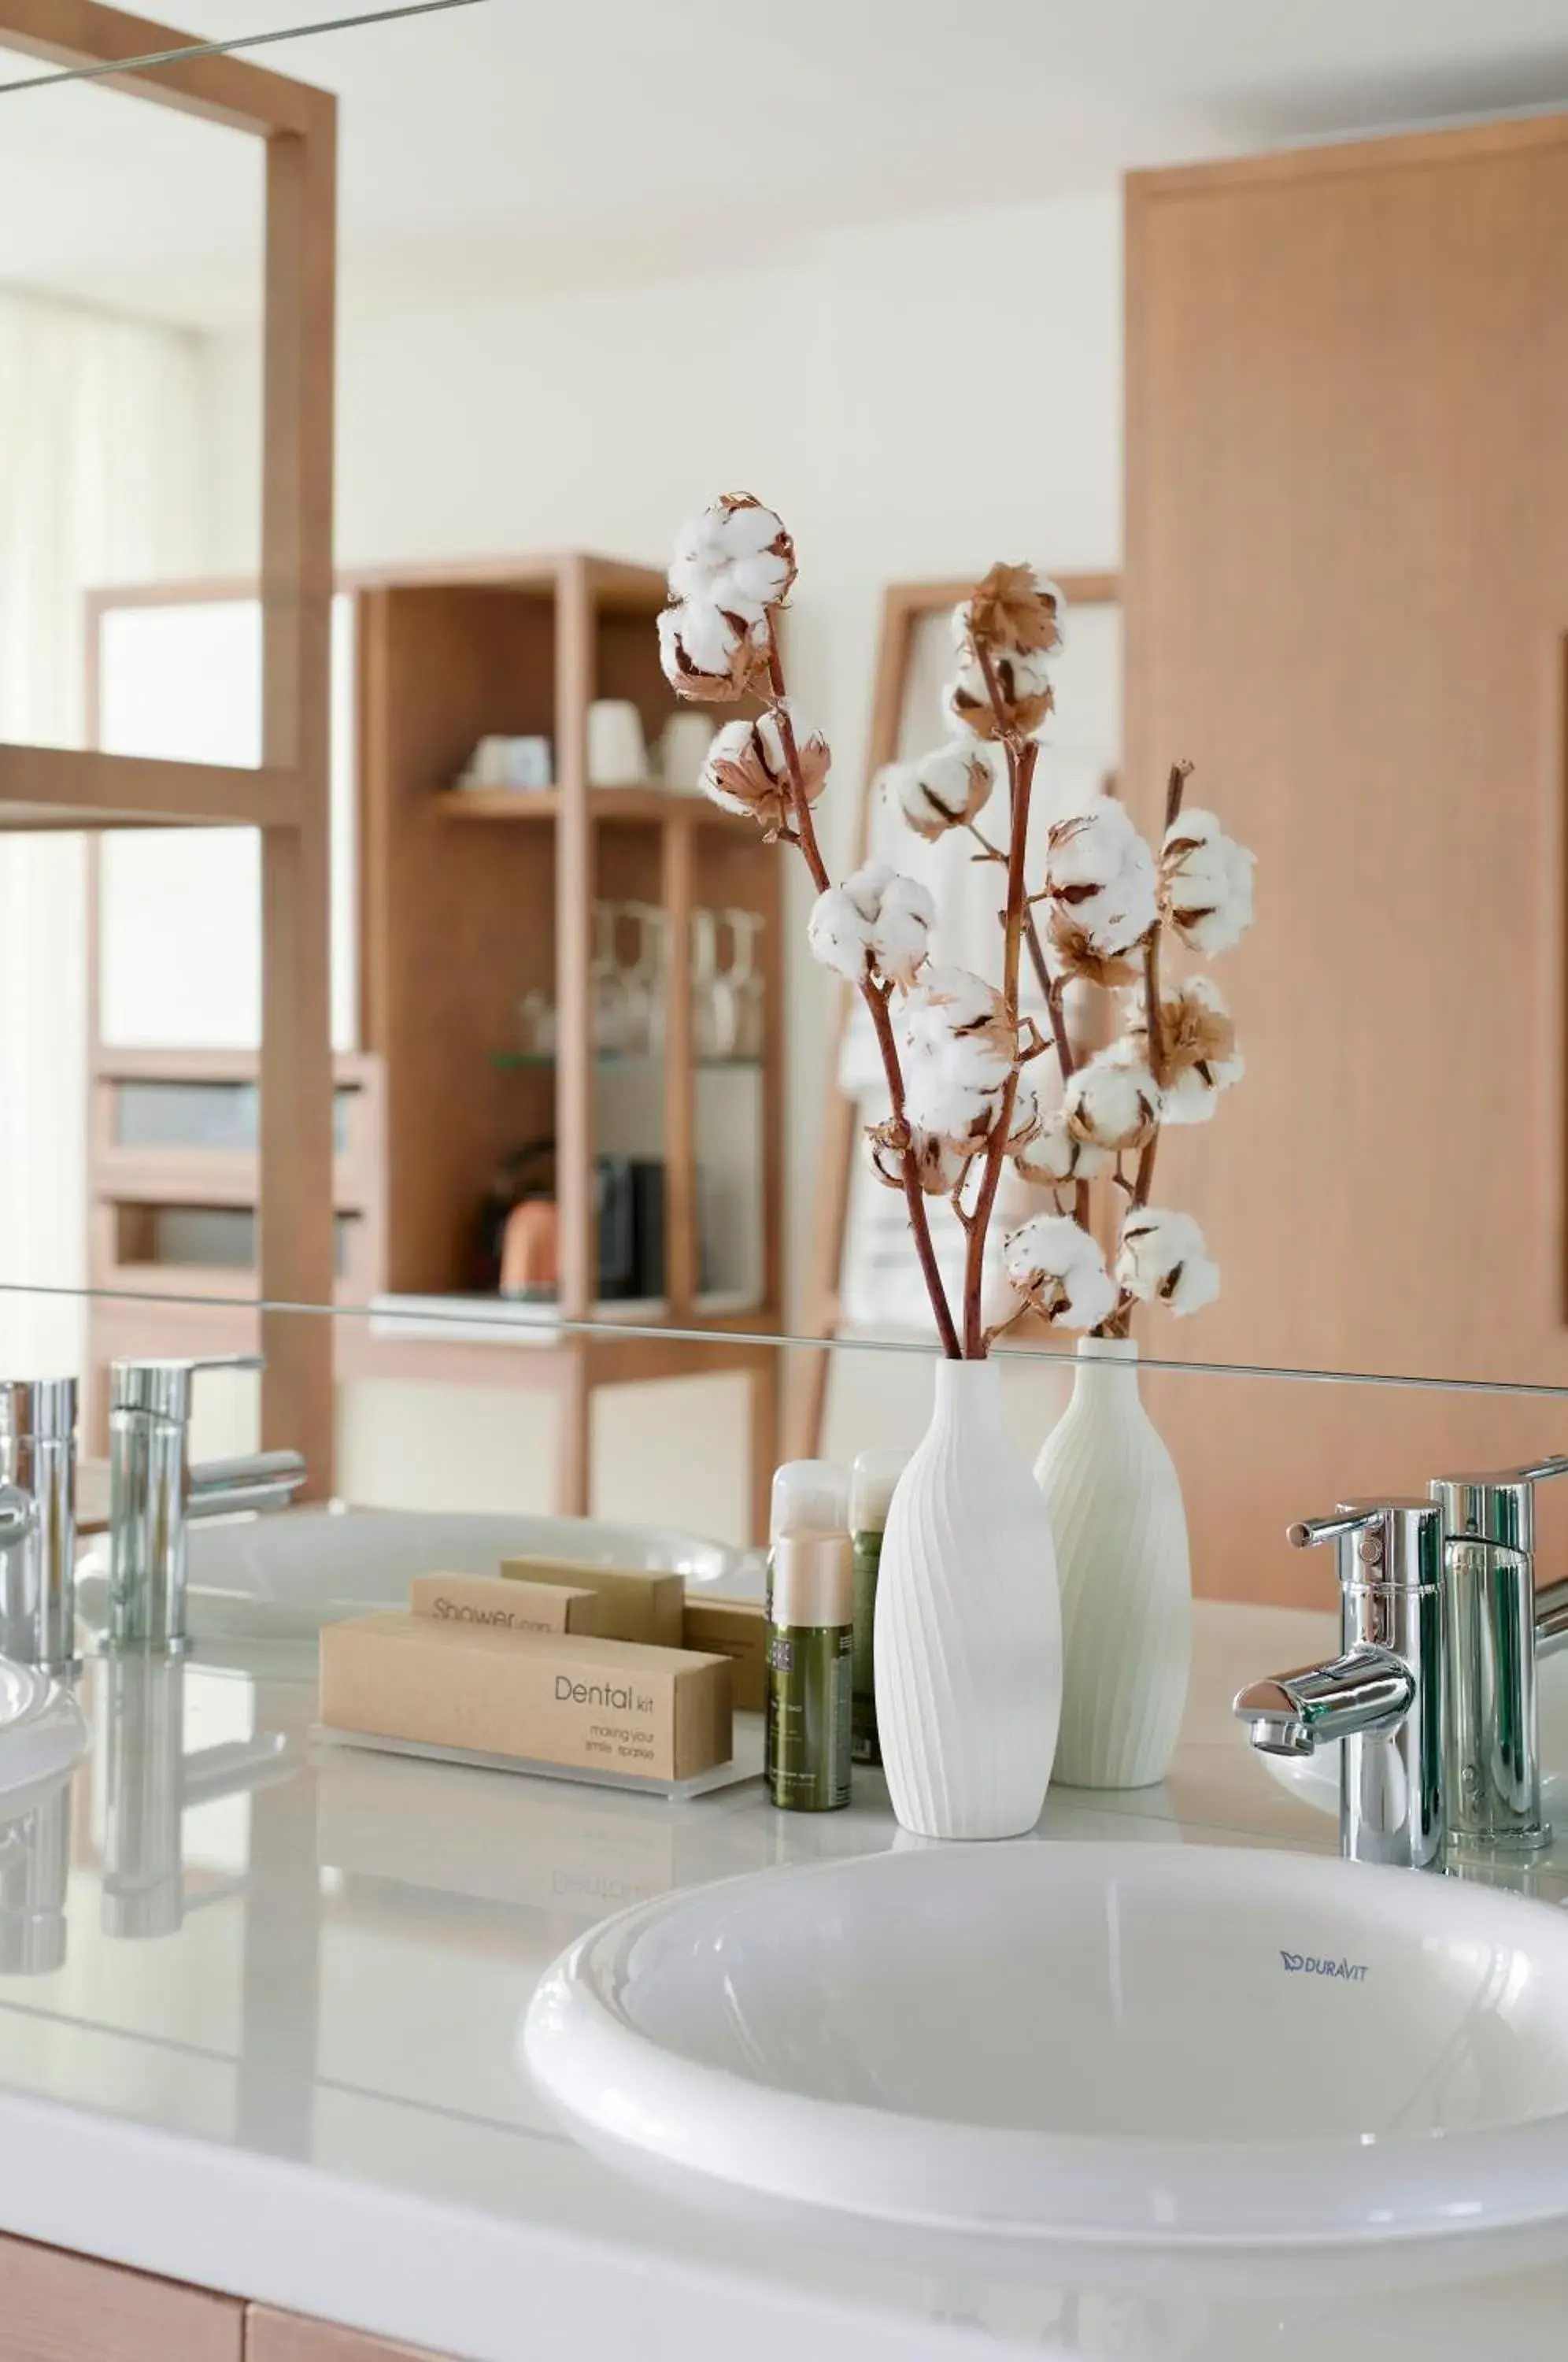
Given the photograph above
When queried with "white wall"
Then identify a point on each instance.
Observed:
(916, 399)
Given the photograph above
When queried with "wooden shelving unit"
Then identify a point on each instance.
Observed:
(537, 805)
(469, 898)
(285, 795)
(472, 898)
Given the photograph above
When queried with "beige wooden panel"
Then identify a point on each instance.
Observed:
(58, 2307)
(289, 2337)
(1346, 588)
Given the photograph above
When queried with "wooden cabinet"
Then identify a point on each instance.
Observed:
(60, 2307)
(289, 2337)
(57, 2306)
(1346, 596)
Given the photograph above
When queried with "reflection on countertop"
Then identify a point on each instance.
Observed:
(307, 1965)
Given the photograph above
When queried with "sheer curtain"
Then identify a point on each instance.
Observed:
(103, 478)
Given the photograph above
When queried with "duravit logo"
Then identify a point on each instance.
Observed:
(1306, 1964)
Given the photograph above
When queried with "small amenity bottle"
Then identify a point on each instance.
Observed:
(809, 1497)
(871, 1483)
(810, 1669)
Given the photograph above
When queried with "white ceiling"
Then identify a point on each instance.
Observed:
(521, 144)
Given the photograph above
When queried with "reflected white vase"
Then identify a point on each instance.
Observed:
(968, 1634)
(1116, 1511)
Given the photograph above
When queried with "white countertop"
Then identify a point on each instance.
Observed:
(305, 2091)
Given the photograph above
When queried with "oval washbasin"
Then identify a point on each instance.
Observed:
(282, 1578)
(1111, 2047)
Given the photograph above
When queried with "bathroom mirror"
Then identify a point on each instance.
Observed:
(581, 1057)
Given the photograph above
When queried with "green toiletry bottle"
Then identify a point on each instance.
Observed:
(810, 1668)
(871, 1483)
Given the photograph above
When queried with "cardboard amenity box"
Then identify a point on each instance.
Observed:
(634, 1604)
(508, 1607)
(735, 1628)
(579, 1701)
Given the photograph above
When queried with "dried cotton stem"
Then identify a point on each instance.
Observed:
(882, 1024)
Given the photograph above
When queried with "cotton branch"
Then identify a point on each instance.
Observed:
(876, 1001)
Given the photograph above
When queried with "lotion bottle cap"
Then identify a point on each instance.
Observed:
(809, 1496)
(871, 1483)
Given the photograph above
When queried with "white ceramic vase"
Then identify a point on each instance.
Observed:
(968, 1635)
(1116, 1511)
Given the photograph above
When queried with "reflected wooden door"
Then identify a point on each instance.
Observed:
(1345, 594)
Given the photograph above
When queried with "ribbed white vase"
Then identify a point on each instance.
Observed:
(1116, 1510)
(968, 1635)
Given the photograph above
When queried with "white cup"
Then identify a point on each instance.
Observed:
(529, 762)
(683, 749)
(617, 751)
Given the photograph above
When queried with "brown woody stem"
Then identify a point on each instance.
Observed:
(882, 1024)
(1021, 761)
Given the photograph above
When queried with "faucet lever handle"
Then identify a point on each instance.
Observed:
(163, 1388)
(1308, 1531)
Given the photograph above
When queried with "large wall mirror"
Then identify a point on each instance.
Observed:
(579, 1091)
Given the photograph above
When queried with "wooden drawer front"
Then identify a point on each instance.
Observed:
(60, 2307)
(291, 2337)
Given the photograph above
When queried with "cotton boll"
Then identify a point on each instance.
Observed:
(1206, 882)
(867, 886)
(952, 1003)
(1055, 1160)
(839, 935)
(1113, 1102)
(957, 1044)
(1015, 609)
(1197, 1042)
(897, 913)
(946, 788)
(1100, 876)
(901, 938)
(1085, 852)
(1077, 955)
(1056, 1266)
(1023, 686)
(1164, 1259)
(1192, 1096)
(746, 770)
(938, 1167)
(736, 556)
(710, 655)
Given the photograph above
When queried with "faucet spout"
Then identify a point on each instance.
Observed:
(257, 1480)
(1551, 1619)
(1367, 1691)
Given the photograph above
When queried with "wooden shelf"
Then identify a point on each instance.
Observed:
(538, 804)
(507, 1062)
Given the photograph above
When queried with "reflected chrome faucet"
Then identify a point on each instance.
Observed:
(1497, 1627)
(155, 1492)
(38, 1522)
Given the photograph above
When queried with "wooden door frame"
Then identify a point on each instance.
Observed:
(286, 796)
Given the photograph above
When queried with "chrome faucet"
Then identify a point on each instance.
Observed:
(1383, 1695)
(155, 1492)
(38, 1522)
(1497, 1628)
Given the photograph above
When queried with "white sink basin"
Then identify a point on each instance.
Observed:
(1315, 1779)
(1121, 2049)
(281, 1578)
(43, 1736)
